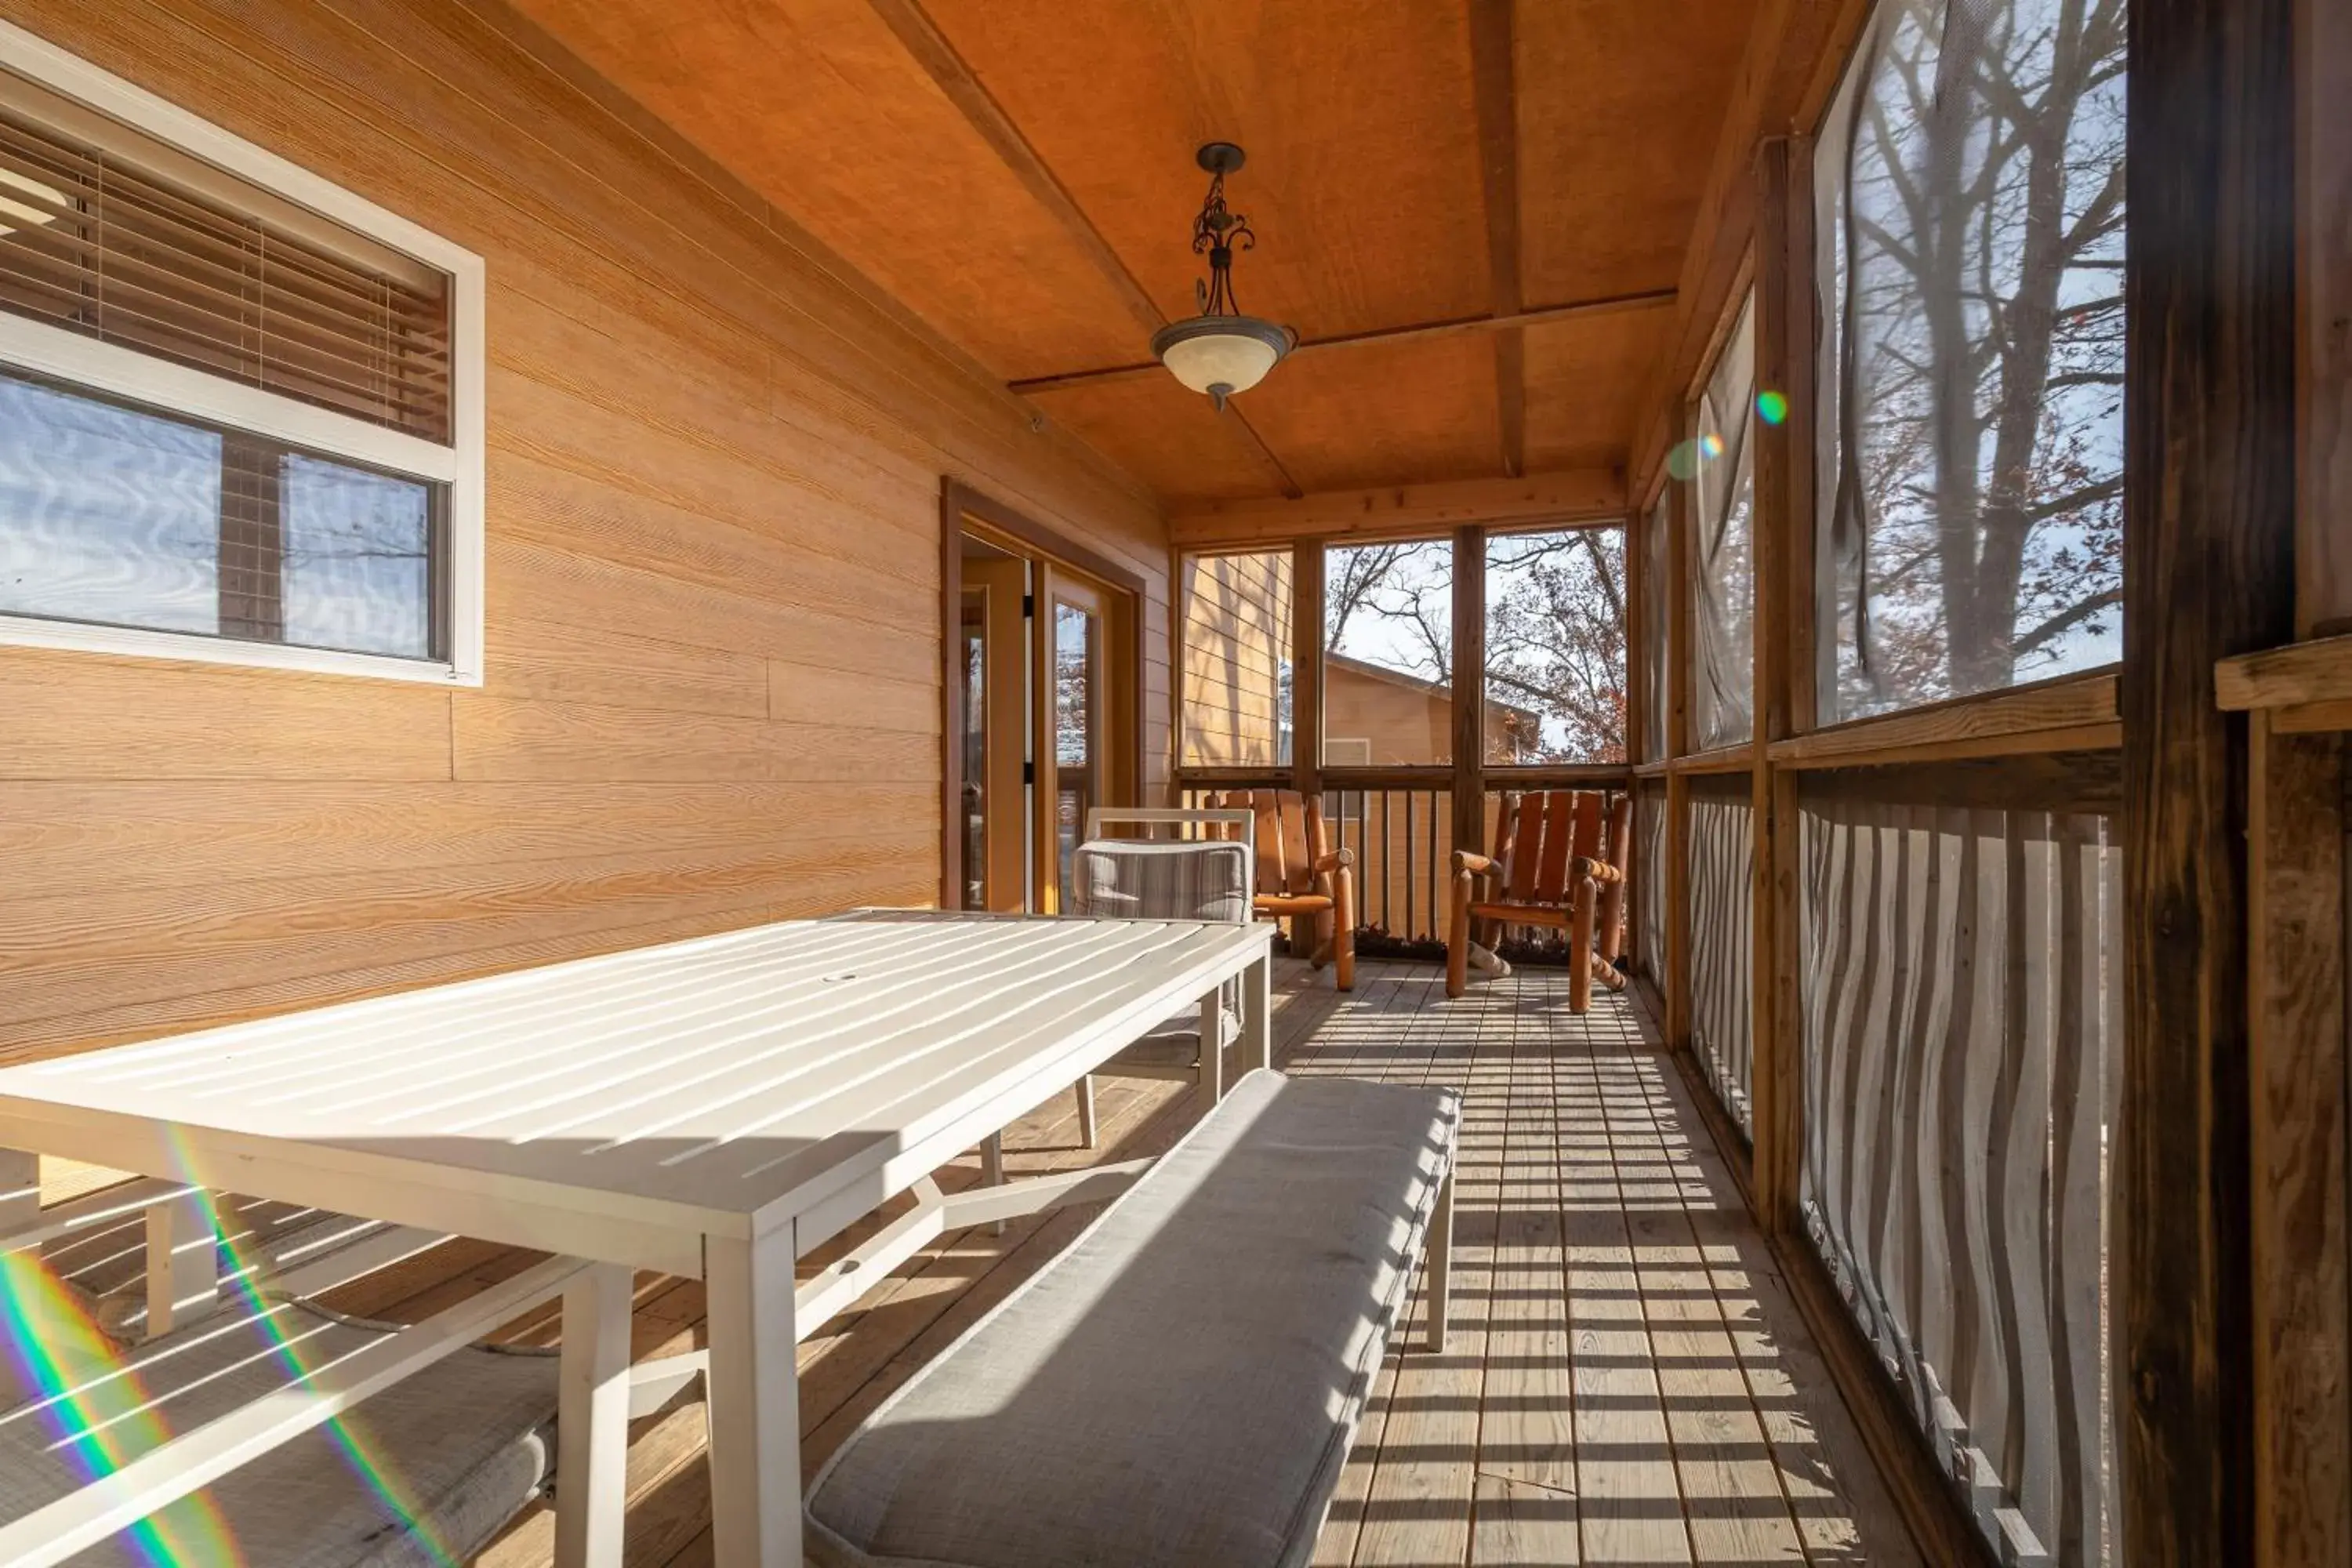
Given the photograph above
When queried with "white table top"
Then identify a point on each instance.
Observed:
(696, 1084)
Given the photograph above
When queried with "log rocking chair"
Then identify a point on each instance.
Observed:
(1300, 877)
(1559, 861)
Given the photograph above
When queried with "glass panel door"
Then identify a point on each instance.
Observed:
(975, 749)
(1077, 748)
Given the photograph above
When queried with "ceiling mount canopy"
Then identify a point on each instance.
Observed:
(1220, 351)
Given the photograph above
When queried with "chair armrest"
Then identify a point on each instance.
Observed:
(1477, 865)
(1334, 861)
(1599, 870)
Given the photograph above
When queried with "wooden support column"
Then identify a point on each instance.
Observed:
(951, 699)
(2303, 1290)
(1784, 493)
(1637, 633)
(1470, 689)
(1637, 685)
(1678, 691)
(2208, 532)
(1306, 667)
(2323, 52)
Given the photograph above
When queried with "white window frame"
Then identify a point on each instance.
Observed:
(110, 368)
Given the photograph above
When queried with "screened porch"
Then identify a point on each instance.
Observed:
(1767, 587)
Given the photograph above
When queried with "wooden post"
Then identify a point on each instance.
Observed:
(2209, 531)
(952, 715)
(1637, 631)
(2303, 1292)
(1784, 339)
(1307, 668)
(2323, 52)
(1637, 711)
(1470, 689)
(1678, 691)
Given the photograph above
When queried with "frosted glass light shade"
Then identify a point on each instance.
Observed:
(1221, 355)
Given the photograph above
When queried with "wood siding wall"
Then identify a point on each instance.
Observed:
(1235, 639)
(713, 575)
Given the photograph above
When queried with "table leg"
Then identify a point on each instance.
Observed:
(591, 1422)
(1212, 1041)
(1258, 1011)
(754, 1405)
(992, 1166)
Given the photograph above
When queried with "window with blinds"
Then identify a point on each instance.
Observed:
(232, 425)
(99, 237)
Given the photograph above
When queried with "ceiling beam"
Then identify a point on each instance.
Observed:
(930, 46)
(1454, 326)
(1573, 495)
(1496, 96)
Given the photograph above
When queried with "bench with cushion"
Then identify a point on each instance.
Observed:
(1179, 1388)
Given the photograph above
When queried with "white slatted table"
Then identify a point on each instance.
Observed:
(713, 1108)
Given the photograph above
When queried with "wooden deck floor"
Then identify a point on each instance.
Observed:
(1627, 1382)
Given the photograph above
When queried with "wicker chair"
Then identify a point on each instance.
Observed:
(1559, 861)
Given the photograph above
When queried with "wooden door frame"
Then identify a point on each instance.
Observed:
(959, 501)
(1001, 583)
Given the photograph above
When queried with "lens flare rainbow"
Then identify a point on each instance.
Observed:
(88, 1392)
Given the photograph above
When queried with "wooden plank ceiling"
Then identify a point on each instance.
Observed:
(1021, 177)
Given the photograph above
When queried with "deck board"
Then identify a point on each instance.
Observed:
(1626, 1381)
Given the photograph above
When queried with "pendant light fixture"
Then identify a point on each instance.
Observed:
(1220, 351)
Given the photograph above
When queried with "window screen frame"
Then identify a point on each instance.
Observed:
(114, 372)
(1830, 141)
(1180, 693)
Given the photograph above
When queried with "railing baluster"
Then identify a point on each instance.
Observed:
(1432, 927)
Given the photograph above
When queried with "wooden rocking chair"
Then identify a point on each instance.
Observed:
(1559, 861)
(1300, 876)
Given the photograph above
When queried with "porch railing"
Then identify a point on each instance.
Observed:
(1720, 926)
(1961, 995)
(1399, 825)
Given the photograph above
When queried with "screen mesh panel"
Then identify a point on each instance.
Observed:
(1961, 1055)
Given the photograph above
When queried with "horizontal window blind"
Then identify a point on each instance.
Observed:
(152, 251)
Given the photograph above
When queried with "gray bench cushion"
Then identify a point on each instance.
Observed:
(460, 1447)
(1179, 1388)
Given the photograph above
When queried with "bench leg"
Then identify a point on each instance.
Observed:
(20, 1188)
(591, 1454)
(1257, 1011)
(183, 1272)
(754, 1402)
(1213, 1043)
(1440, 1264)
(1086, 1132)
